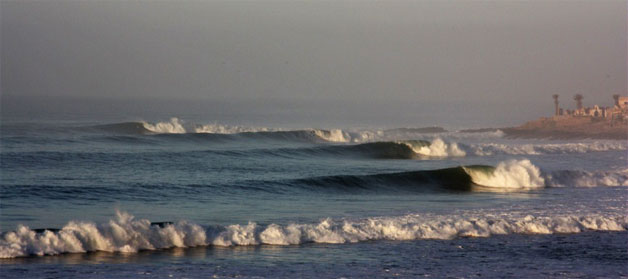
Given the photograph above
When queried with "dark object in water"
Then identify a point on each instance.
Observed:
(46, 229)
(161, 224)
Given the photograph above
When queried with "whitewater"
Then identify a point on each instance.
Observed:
(240, 201)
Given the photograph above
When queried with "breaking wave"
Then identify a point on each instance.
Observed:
(126, 234)
(407, 149)
(437, 148)
(214, 131)
(512, 175)
(176, 126)
(507, 176)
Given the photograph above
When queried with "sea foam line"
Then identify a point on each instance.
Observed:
(126, 234)
(488, 149)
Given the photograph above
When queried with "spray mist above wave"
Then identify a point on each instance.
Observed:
(126, 234)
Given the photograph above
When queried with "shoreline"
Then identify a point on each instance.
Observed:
(570, 128)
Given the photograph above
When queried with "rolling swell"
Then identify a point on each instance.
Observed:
(449, 179)
(125, 128)
(377, 150)
(409, 149)
(510, 175)
(373, 150)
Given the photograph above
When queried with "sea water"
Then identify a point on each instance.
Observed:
(181, 199)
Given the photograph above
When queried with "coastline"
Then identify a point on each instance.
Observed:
(568, 128)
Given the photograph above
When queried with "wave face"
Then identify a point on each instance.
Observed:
(507, 176)
(376, 150)
(409, 149)
(126, 234)
(512, 175)
(449, 179)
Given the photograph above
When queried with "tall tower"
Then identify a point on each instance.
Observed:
(616, 98)
(578, 99)
(556, 110)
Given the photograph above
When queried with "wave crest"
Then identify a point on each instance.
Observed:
(437, 148)
(513, 174)
(174, 126)
(335, 135)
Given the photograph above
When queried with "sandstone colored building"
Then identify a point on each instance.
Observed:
(617, 114)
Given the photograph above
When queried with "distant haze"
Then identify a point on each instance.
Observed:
(315, 63)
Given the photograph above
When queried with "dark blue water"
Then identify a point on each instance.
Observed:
(183, 199)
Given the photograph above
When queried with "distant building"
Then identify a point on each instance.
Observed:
(623, 102)
(618, 114)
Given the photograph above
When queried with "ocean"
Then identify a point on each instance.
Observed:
(178, 199)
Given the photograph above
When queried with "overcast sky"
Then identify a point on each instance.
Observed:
(349, 58)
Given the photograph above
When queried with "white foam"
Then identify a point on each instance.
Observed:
(537, 149)
(587, 178)
(174, 126)
(512, 174)
(334, 135)
(437, 148)
(126, 234)
(366, 136)
(226, 129)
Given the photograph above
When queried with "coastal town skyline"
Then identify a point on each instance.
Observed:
(619, 108)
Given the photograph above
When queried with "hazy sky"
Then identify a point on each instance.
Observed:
(379, 61)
